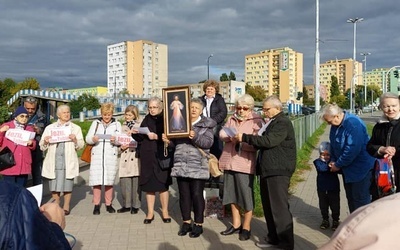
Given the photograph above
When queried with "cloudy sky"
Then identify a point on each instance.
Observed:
(63, 43)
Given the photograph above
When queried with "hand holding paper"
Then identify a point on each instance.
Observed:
(230, 131)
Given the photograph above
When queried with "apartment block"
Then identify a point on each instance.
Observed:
(310, 91)
(279, 71)
(343, 70)
(140, 67)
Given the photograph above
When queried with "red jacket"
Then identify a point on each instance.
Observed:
(22, 154)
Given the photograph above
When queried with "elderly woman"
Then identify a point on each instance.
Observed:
(152, 178)
(349, 138)
(61, 164)
(190, 170)
(104, 160)
(18, 173)
(385, 139)
(214, 107)
(238, 161)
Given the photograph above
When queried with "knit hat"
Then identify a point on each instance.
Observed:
(324, 146)
(20, 110)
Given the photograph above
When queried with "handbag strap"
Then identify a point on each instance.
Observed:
(202, 152)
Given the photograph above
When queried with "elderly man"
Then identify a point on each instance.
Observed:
(38, 120)
(349, 138)
(277, 147)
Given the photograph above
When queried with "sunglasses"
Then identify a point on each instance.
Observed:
(242, 108)
(30, 99)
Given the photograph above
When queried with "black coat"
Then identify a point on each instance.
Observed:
(152, 150)
(277, 147)
(218, 110)
(378, 139)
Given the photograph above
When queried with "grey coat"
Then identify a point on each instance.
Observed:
(188, 161)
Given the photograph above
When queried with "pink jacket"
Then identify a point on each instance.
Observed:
(22, 154)
(243, 161)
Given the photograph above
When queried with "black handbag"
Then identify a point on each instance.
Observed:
(6, 158)
(166, 160)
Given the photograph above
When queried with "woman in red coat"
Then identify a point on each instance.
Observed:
(22, 149)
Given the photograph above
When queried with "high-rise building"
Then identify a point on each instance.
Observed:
(279, 71)
(139, 67)
(343, 70)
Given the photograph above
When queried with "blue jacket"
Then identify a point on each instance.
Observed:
(348, 148)
(326, 180)
(22, 225)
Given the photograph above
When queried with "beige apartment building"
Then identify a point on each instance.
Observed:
(140, 67)
(279, 71)
(343, 70)
(310, 91)
(377, 77)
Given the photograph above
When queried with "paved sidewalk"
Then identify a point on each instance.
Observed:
(126, 231)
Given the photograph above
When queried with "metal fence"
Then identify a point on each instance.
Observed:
(305, 126)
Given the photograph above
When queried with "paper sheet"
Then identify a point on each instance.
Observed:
(230, 131)
(103, 136)
(143, 130)
(37, 192)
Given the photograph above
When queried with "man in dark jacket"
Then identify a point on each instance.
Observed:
(214, 107)
(24, 226)
(277, 147)
(39, 121)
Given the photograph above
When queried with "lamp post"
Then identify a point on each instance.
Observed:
(354, 22)
(208, 66)
(115, 86)
(365, 54)
(317, 57)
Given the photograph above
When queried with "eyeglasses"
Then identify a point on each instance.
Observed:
(23, 116)
(266, 109)
(243, 108)
(153, 107)
(31, 99)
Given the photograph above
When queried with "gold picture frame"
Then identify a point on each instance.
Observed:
(176, 102)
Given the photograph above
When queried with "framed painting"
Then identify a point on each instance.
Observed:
(176, 111)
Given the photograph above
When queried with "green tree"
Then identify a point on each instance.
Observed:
(373, 93)
(232, 76)
(123, 92)
(257, 92)
(5, 90)
(334, 87)
(4, 114)
(341, 101)
(224, 77)
(84, 101)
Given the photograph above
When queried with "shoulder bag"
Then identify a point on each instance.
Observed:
(6, 158)
(212, 163)
(87, 151)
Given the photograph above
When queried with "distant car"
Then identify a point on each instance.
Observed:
(307, 110)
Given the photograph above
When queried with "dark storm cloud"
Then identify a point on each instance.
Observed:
(64, 42)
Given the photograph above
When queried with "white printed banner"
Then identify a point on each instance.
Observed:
(60, 134)
(19, 136)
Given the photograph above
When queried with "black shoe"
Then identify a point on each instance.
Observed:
(123, 210)
(185, 228)
(166, 220)
(335, 224)
(197, 230)
(96, 210)
(244, 235)
(134, 210)
(231, 230)
(110, 209)
(324, 224)
(148, 221)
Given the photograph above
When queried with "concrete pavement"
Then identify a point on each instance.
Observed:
(126, 231)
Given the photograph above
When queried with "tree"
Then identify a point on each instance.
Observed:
(341, 101)
(224, 77)
(123, 92)
(232, 76)
(373, 93)
(5, 90)
(334, 87)
(84, 101)
(257, 92)
(4, 114)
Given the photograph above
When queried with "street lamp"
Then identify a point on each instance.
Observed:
(365, 54)
(115, 86)
(354, 22)
(208, 66)
(317, 57)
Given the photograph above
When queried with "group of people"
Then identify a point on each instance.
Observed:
(352, 153)
(245, 143)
